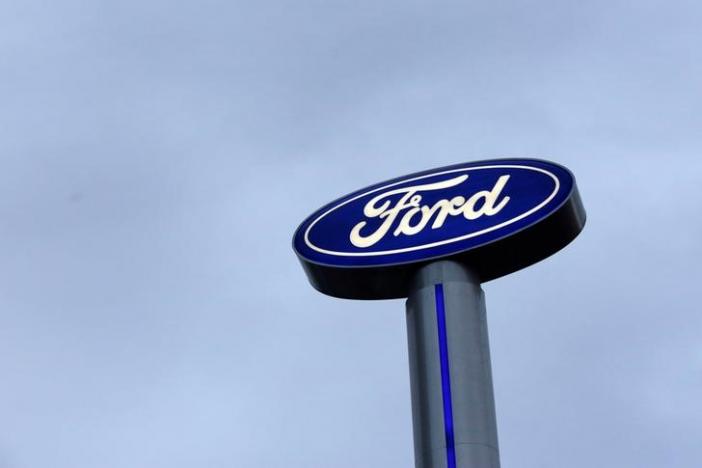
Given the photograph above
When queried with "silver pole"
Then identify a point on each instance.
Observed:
(453, 405)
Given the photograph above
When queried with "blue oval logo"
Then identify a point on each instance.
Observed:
(433, 214)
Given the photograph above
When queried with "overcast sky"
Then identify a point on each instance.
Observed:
(156, 157)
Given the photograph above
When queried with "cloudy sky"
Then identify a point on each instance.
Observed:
(156, 157)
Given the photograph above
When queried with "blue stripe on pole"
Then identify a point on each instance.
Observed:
(445, 376)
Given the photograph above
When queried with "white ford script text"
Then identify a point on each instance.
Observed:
(417, 216)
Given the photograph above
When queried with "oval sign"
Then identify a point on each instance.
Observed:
(449, 212)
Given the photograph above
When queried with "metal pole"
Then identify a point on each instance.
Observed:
(453, 405)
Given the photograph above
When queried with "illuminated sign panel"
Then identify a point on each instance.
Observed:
(495, 216)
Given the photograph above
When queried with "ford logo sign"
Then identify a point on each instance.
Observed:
(494, 216)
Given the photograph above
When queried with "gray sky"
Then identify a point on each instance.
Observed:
(155, 158)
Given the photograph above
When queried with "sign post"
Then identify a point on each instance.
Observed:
(453, 406)
(433, 237)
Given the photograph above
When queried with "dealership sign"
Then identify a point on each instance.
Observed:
(494, 216)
